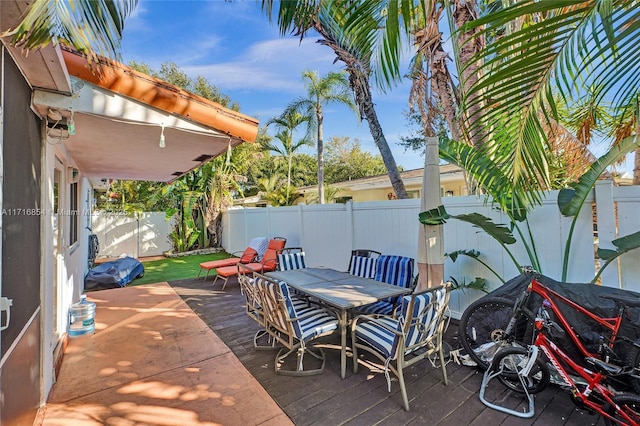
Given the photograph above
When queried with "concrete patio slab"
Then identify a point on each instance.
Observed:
(153, 361)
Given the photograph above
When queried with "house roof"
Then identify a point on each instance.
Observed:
(120, 115)
(448, 172)
(121, 79)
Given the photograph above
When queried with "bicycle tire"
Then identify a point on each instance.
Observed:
(627, 402)
(484, 321)
(633, 360)
(510, 360)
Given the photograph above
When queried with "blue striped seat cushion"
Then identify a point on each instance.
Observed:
(364, 267)
(396, 270)
(317, 321)
(288, 261)
(382, 340)
(421, 328)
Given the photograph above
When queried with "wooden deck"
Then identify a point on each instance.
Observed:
(362, 398)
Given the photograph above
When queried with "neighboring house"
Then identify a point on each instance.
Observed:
(378, 188)
(63, 132)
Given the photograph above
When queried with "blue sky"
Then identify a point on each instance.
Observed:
(234, 46)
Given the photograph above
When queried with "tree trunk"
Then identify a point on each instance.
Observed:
(320, 156)
(470, 44)
(359, 82)
(364, 100)
(636, 167)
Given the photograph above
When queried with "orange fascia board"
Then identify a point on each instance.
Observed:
(159, 94)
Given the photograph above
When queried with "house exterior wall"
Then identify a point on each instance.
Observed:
(20, 371)
(378, 188)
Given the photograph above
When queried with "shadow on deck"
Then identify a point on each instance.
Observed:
(362, 398)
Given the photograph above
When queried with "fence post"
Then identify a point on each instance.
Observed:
(301, 224)
(350, 218)
(606, 226)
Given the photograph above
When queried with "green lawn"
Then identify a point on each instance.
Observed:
(175, 268)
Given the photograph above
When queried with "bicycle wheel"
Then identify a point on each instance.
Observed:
(633, 360)
(628, 412)
(510, 360)
(482, 328)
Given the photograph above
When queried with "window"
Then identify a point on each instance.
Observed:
(414, 193)
(73, 213)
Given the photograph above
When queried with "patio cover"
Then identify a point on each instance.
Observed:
(120, 114)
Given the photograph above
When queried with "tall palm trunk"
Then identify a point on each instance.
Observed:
(363, 98)
(469, 45)
(636, 167)
(320, 142)
(437, 76)
(359, 82)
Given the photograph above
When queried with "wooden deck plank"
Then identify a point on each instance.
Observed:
(362, 398)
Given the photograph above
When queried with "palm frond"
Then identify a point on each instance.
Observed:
(89, 26)
(564, 46)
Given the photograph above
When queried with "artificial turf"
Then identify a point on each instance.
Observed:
(175, 268)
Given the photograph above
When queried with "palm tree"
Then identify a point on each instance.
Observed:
(537, 49)
(329, 19)
(332, 88)
(287, 123)
(376, 29)
(87, 26)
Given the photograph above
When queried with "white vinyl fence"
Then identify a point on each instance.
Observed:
(145, 234)
(329, 232)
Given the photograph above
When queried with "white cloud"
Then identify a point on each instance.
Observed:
(270, 65)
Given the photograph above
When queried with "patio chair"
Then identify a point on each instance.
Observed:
(252, 303)
(248, 255)
(396, 270)
(363, 263)
(401, 342)
(268, 263)
(295, 327)
(291, 258)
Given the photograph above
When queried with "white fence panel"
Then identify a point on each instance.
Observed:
(326, 235)
(390, 227)
(329, 232)
(122, 235)
(628, 206)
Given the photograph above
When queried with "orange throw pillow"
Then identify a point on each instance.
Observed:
(248, 255)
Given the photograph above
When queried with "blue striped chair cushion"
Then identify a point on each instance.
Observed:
(364, 267)
(424, 326)
(288, 261)
(380, 307)
(382, 340)
(272, 309)
(396, 270)
(317, 321)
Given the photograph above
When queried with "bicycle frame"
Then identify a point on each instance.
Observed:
(553, 352)
(611, 324)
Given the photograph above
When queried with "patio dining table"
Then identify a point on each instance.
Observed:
(340, 290)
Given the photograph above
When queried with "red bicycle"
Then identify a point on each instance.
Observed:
(527, 371)
(515, 326)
